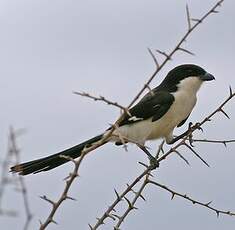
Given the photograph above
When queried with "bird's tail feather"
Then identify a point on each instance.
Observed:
(53, 161)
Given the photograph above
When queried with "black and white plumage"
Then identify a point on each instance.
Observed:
(155, 116)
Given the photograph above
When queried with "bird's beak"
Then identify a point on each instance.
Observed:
(207, 77)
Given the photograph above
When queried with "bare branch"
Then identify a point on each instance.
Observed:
(16, 152)
(184, 196)
(131, 204)
(56, 204)
(148, 168)
(224, 142)
(101, 98)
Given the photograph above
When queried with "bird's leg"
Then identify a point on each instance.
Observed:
(190, 128)
(153, 161)
(179, 137)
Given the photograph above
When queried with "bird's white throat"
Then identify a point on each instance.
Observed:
(190, 84)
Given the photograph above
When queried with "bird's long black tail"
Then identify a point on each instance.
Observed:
(53, 161)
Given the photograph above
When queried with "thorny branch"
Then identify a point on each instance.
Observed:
(149, 169)
(101, 98)
(224, 142)
(13, 153)
(186, 197)
(16, 152)
(77, 163)
(5, 180)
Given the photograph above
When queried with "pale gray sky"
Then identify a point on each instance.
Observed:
(51, 48)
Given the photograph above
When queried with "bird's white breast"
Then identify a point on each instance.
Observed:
(185, 100)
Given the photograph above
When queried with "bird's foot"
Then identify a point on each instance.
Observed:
(153, 162)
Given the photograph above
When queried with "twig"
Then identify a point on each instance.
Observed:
(4, 181)
(224, 142)
(15, 151)
(101, 98)
(131, 205)
(106, 214)
(64, 195)
(186, 197)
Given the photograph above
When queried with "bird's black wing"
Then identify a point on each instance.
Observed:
(154, 106)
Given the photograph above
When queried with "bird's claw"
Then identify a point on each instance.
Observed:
(153, 162)
(191, 140)
(198, 126)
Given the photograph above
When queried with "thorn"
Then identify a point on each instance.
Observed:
(164, 54)
(118, 197)
(117, 216)
(129, 203)
(229, 213)
(143, 164)
(47, 199)
(222, 111)
(182, 157)
(70, 198)
(90, 227)
(196, 20)
(111, 216)
(215, 11)
(53, 221)
(154, 58)
(188, 17)
(143, 198)
(150, 174)
(225, 145)
(173, 196)
(207, 204)
(186, 51)
(197, 154)
(230, 91)
(217, 214)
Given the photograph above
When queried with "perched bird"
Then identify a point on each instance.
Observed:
(155, 116)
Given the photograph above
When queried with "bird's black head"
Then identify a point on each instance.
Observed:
(183, 72)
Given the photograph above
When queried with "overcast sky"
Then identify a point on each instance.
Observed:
(50, 48)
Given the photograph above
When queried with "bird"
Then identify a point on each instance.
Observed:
(155, 116)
